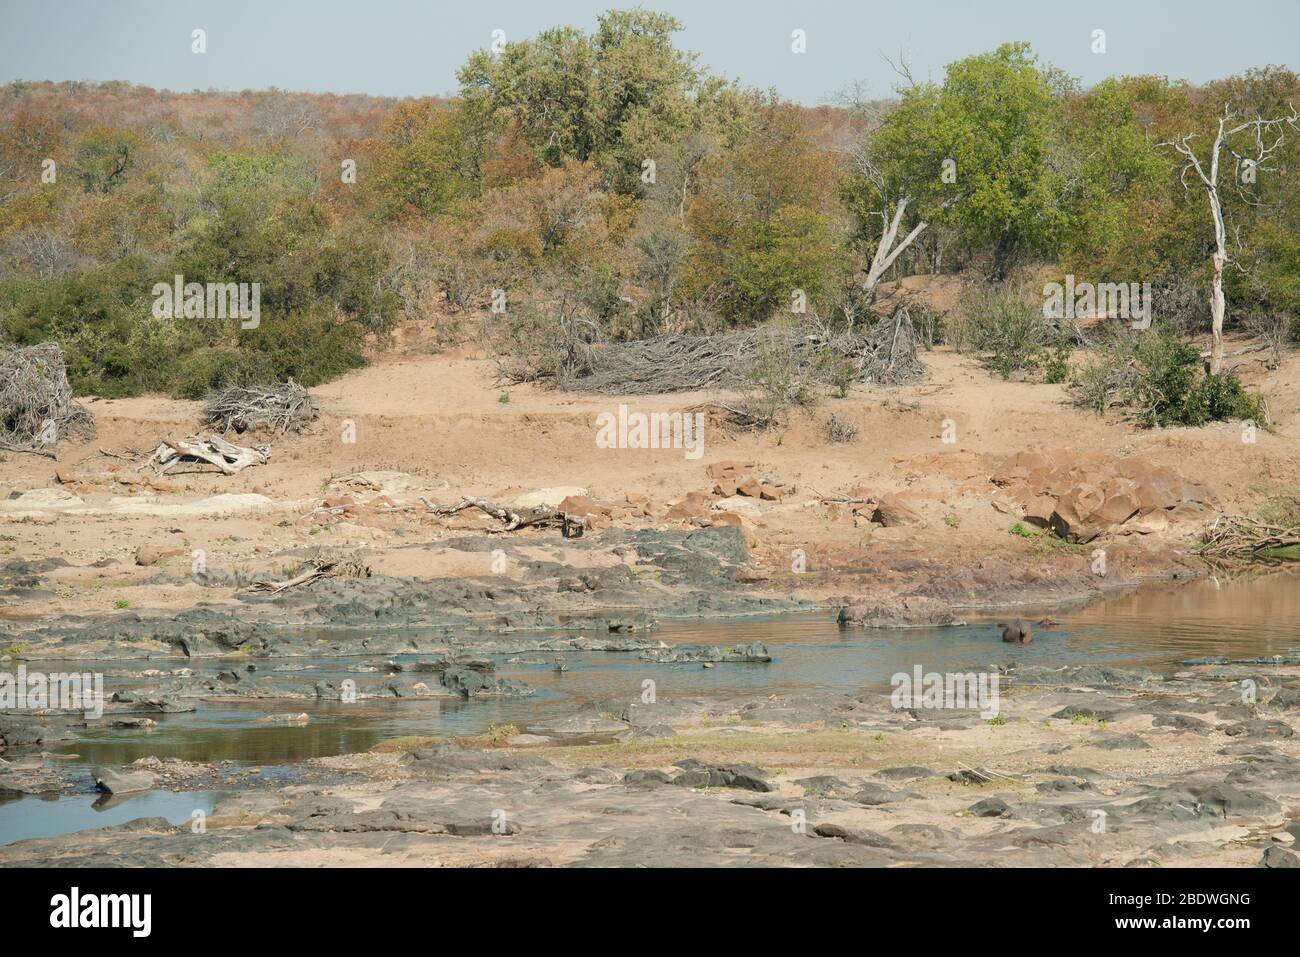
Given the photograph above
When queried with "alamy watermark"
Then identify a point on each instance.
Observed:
(922, 689)
(210, 300)
(38, 691)
(1086, 300)
(651, 430)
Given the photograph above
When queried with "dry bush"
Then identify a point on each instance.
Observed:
(284, 407)
(36, 404)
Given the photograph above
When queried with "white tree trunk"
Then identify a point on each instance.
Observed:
(1217, 303)
(886, 251)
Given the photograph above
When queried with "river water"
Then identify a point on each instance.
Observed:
(1154, 627)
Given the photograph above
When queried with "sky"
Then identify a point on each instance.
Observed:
(413, 47)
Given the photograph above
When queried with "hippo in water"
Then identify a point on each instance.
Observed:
(1017, 633)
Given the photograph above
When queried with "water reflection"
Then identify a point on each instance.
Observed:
(1154, 628)
(34, 816)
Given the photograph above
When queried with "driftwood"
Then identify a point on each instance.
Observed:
(1235, 536)
(213, 450)
(514, 518)
(320, 568)
(8, 447)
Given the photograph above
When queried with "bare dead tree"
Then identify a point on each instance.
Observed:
(894, 199)
(1268, 136)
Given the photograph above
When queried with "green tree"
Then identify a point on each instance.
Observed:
(974, 153)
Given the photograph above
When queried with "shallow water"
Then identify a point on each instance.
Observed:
(1154, 627)
(32, 817)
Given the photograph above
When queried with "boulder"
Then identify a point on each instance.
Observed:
(692, 505)
(694, 774)
(892, 512)
(147, 555)
(112, 781)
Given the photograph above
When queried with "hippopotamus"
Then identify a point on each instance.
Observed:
(1017, 633)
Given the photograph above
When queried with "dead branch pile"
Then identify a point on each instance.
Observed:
(571, 526)
(671, 363)
(316, 568)
(1237, 537)
(885, 353)
(284, 406)
(209, 449)
(36, 404)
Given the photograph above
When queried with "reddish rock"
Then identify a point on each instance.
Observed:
(147, 555)
(892, 512)
(582, 505)
(693, 505)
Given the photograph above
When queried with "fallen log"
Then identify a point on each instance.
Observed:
(8, 447)
(320, 568)
(230, 459)
(571, 526)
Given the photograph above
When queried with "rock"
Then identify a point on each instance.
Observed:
(39, 501)
(848, 836)
(583, 724)
(907, 773)
(970, 776)
(1275, 856)
(596, 776)
(825, 785)
(1119, 742)
(1179, 722)
(874, 794)
(692, 505)
(111, 781)
(895, 612)
(740, 505)
(697, 775)
(694, 654)
(729, 470)
(548, 497)
(1082, 495)
(583, 506)
(1260, 728)
(151, 554)
(646, 779)
(648, 732)
(527, 740)
(144, 723)
(470, 681)
(892, 512)
(990, 807)
(1070, 712)
(738, 521)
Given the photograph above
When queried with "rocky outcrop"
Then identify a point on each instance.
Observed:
(1083, 495)
(898, 612)
(753, 652)
(112, 781)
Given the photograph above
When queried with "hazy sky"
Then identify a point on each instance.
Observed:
(413, 47)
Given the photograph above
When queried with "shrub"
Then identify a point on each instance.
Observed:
(1009, 332)
(1156, 378)
(839, 430)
